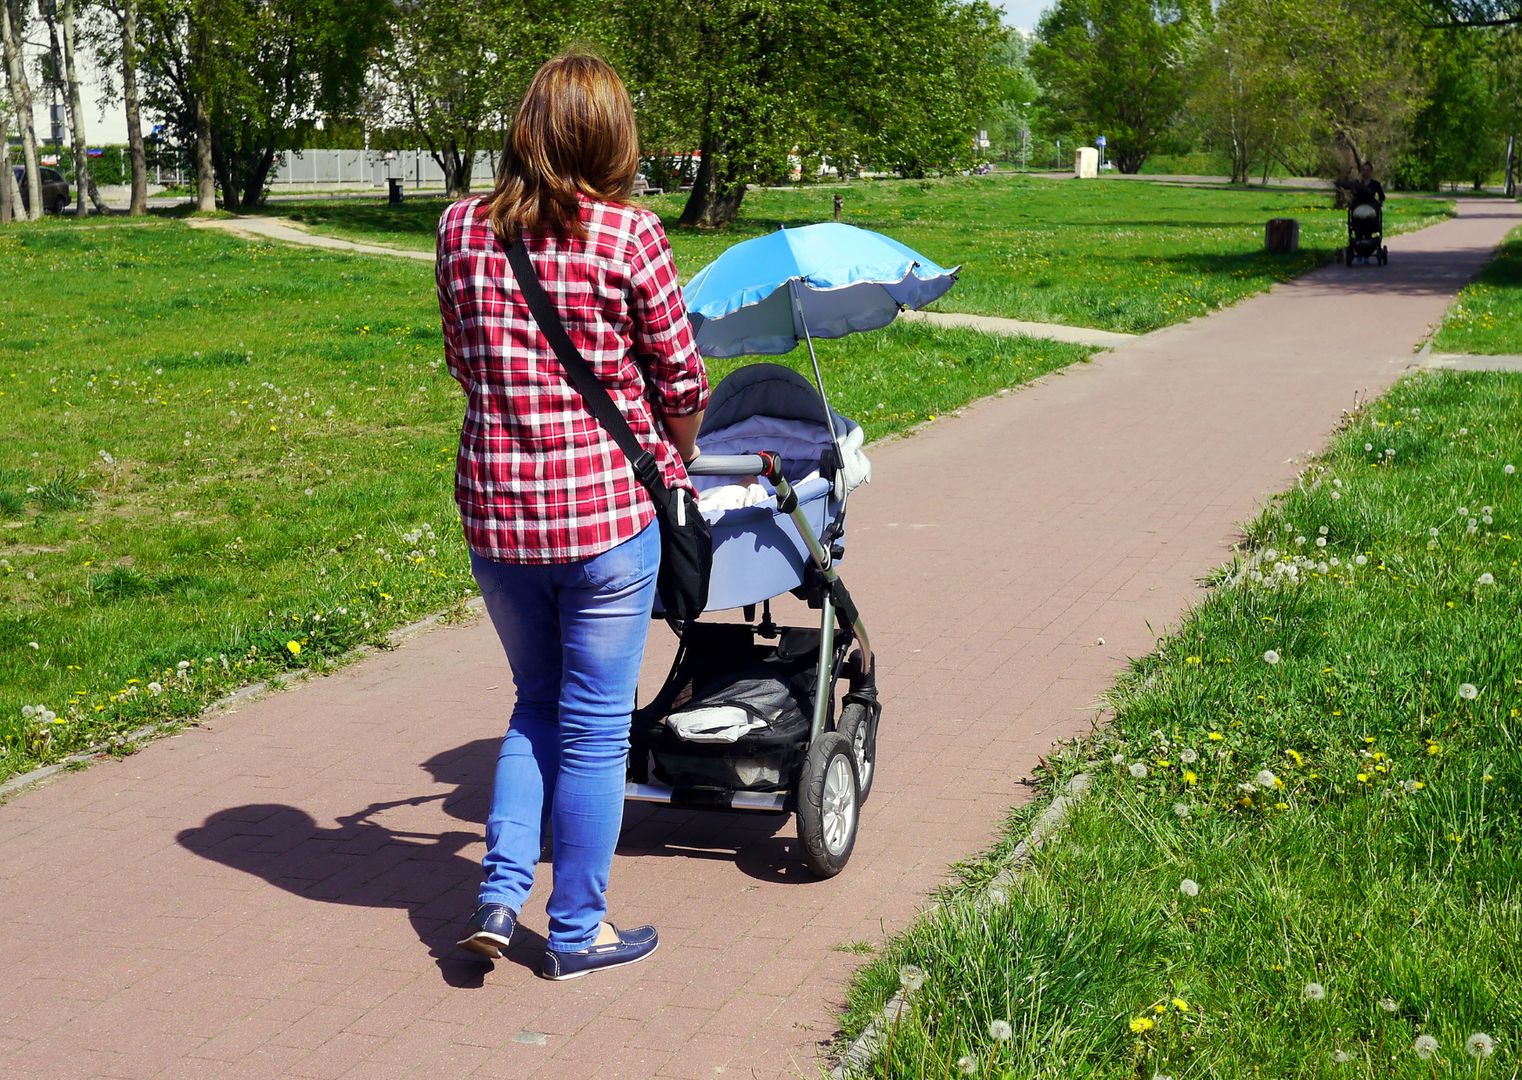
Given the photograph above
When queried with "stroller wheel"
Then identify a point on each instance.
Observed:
(859, 730)
(828, 805)
(1351, 255)
(1384, 256)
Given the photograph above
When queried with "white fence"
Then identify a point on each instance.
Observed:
(368, 168)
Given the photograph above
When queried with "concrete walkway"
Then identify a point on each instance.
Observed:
(275, 894)
(993, 324)
(264, 228)
(1471, 362)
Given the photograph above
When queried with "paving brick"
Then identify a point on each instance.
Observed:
(286, 881)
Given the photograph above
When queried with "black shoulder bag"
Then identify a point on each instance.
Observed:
(686, 540)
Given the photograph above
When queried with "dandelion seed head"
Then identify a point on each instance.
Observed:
(1463, 511)
(1181, 810)
(1138, 770)
(1486, 579)
(1314, 991)
(1117, 759)
(1509, 469)
(1189, 887)
(1479, 1045)
(1270, 657)
(1341, 1057)
(1388, 1004)
(999, 1030)
(911, 977)
(967, 1064)
(1188, 756)
(1468, 691)
(1425, 1046)
(1266, 778)
(1361, 560)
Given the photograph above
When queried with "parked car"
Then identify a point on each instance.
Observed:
(55, 189)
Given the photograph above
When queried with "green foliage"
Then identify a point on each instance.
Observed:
(460, 66)
(1117, 68)
(266, 70)
(752, 83)
(1459, 133)
(1298, 854)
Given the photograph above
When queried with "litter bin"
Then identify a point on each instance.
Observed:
(1282, 235)
(394, 196)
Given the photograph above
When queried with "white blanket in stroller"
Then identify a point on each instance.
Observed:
(800, 446)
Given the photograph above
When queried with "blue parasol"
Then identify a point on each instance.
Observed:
(768, 294)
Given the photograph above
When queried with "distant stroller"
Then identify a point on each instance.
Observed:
(1366, 219)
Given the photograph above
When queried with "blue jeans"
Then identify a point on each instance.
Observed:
(575, 636)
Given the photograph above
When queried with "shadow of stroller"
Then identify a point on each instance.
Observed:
(365, 863)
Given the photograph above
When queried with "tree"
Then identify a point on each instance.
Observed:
(1117, 68)
(12, 27)
(755, 84)
(247, 78)
(7, 175)
(83, 186)
(459, 67)
(1458, 132)
(114, 41)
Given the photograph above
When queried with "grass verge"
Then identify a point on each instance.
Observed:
(1299, 856)
(212, 476)
(1486, 317)
(1118, 256)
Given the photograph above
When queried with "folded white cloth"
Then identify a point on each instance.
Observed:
(716, 724)
(732, 496)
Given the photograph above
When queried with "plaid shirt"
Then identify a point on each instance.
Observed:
(537, 478)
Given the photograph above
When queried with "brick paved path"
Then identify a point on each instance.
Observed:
(274, 895)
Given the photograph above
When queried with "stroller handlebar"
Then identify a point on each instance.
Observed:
(728, 465)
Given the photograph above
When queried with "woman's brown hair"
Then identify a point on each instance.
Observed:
(574, 132)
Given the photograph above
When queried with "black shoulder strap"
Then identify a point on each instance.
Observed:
(580, 372)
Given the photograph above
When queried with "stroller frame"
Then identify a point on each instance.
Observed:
(824, 778)
(1369, 244)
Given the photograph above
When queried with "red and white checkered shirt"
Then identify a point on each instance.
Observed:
(537, 478)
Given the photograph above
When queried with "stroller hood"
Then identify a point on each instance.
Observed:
(768, 390)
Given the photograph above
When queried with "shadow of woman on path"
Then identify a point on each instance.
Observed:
(364, 862)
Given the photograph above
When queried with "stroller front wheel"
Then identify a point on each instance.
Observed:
(829, 805)
(859, 730)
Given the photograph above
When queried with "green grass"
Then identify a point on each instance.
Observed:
(1380, 861)
(215, 449)
(1487, 315)
(1117, 256)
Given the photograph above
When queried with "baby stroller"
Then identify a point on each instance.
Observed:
(747, 717)
(751, 716)
(1366, 233)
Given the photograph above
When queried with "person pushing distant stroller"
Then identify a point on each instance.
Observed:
(1366, 217)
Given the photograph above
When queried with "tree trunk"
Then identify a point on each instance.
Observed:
(1511, 161)
(7, 174)
(21, 99)
(716, 193)
(457, 165)
(206, 180)
(82, 185)
(139, 156)
(253, 183)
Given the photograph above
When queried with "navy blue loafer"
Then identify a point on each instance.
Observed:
(490, 930)
(632, 947)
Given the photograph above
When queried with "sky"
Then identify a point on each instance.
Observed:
(1023, 13)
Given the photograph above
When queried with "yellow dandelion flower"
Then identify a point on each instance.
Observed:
(1159, 1008)
(1295, 757)
(1215, 736)
(1142, 1024)
(294, 646)
(1191, 660)
(1181, 1005)
(1433, 749)
(1190, 778)
(1363, 778)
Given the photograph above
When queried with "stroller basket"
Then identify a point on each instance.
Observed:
(734, 714)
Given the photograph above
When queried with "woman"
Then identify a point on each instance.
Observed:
(561, 533)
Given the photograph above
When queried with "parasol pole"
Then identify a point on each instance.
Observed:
(829, 416)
